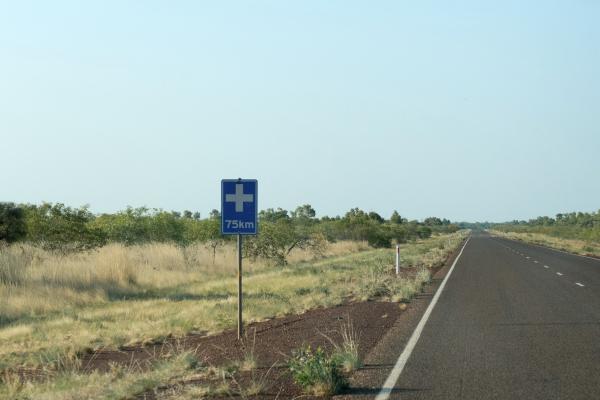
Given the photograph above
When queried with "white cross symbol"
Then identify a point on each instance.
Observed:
(239, 197)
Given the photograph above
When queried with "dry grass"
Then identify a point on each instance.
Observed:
(576, 246)
(121, 382)
(29, 276)
(118, 295)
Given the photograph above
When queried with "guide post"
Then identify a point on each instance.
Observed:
(239, 213)
(397, 259)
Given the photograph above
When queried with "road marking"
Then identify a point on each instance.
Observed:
(528, 257)
(536, 261)
(553, 249)
(559, 274)
(390, 382)
(545, 266)
(579, 284)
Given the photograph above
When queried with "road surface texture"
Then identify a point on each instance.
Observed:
(514, 321)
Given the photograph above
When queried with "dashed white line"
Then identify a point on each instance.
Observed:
(579, 284)
(527, 257)
(536, 261)
(559, 274)
(545, 266)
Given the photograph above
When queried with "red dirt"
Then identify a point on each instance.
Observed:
(271, 342)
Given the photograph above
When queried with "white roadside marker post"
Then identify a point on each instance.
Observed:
(397, 259)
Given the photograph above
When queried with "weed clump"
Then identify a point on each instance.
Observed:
(317, 373)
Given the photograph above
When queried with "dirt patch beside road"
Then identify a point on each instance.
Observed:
(272, 342)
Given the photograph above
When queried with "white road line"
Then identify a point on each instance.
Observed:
(579, 284)
(536, 261)
(559, 274)
(553, 249)
(390, 382)
(545, 266)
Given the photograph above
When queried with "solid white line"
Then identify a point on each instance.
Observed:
(390, 382)
(579, 284)
(559, 274)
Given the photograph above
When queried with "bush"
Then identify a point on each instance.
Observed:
(379, 238)
(277, 239)
(12, 222)
(424, 232)
(316, 372)
(346, 354)
(61, 228)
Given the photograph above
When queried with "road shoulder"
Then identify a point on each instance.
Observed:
(380, 360)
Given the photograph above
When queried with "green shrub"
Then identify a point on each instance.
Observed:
(277, 239)
(346, 353)
(317, 373)
(379, 238)
(12, 222)
(61, 228)
(424, 232)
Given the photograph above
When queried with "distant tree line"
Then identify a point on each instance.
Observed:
(573, 225)
(61, 228)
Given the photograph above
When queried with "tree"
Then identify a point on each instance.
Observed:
(423, 232)
(277, 239)
(12, 223)
(131, 226)
(271, 215)
(211, 229)
(215, 214)
(433, 221)
(166, 227)
(396, 218)
(62, 228)
(305, 212)
(379, 238)
(373, 216)
(398, 232)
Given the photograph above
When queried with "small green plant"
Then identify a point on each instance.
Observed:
(317, 373)
(249, 362)
(347, 353)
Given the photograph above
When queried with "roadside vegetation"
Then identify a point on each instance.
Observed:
(72, 282)
(65, 230)
(576, 232)
(318, 373)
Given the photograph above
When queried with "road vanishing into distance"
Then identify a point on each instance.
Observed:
(513, 321)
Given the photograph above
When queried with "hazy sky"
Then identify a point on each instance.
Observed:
(454, 109)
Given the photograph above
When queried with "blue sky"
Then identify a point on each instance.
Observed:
(463, 110)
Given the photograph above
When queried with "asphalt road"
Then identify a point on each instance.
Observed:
(514, 321)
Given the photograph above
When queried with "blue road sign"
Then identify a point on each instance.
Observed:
(239, 206)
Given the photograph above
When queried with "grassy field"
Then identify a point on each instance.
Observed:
(576, 246)
(54, 307)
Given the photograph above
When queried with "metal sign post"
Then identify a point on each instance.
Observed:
(239, 213)
(240, 330)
